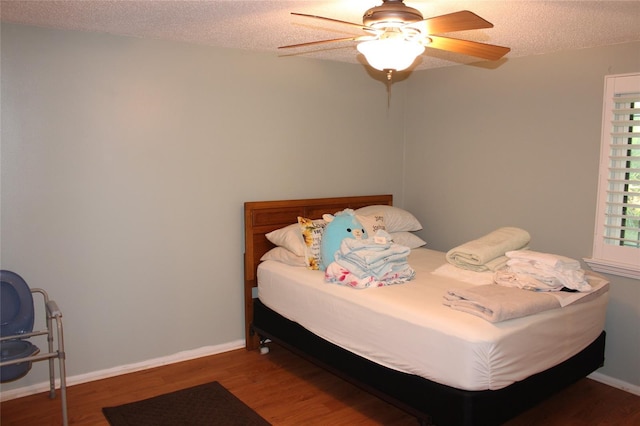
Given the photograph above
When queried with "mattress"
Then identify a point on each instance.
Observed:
(406, 327)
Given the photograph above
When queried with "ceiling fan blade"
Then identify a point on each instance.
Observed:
(353, 24)
(467, 47)
(457, 21)
(333, 40)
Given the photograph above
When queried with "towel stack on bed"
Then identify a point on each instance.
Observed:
(525, 282)
(373, 262)
(488, 252)
(532, 270)
(497, 303)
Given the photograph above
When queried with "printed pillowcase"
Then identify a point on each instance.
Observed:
(404, 238)
(312, 231)
(372, 224)
(397, 222)
(395, 218)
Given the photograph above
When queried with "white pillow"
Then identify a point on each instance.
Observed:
(395, 218)
(281, 254)
(372, 223)
(407, 239)
(288, 237)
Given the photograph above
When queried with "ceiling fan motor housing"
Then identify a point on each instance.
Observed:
(391, 11)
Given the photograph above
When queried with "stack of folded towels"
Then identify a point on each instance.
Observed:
(373, 262)
(531, 270)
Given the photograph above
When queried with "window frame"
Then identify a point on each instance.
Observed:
(610, 258)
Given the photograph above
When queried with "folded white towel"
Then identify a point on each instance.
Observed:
(552, 277)
(487, 253)
(597, 285)
(548, 259)
(524, 281)
(542, 272)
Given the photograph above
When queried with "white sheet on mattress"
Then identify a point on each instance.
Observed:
(407, 328)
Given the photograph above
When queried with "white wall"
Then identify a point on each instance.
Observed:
(126, 162)
(519, 145)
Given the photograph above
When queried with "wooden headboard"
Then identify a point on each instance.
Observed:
(262, 217)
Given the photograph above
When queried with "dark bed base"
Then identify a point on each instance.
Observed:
(428, 401)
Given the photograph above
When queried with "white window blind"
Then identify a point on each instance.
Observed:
(616, 247)
(623, 189)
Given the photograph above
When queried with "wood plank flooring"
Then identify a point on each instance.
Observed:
(287, 390)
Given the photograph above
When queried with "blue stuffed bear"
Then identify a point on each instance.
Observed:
(343, 225)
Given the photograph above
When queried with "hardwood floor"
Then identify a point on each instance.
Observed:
(287, 390)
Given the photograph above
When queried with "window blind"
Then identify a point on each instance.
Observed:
(616, 242)
(622, 214)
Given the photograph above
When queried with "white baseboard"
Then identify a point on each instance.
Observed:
(206, 351)
(124, 369)
(616, 383)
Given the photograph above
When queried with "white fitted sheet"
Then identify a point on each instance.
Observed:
(407, 328)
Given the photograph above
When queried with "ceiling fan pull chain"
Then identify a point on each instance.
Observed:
(389, 82)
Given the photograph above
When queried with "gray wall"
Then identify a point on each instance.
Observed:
(519, 145)
(126, 162)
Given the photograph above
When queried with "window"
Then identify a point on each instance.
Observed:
(616, 245)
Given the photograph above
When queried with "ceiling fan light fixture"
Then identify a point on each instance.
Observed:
(390, 53)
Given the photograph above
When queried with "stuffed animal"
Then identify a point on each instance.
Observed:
(343, 225)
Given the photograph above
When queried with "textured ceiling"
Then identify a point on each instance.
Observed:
(527, 27)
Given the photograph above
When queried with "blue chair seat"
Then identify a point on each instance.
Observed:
(16, 349)
(17, 310)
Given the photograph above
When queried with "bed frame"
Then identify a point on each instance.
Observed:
(426, 400)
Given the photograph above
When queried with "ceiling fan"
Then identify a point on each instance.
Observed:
(396, 34)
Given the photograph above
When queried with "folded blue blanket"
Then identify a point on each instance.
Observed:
(365, 258)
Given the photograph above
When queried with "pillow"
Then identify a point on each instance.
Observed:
(372, 223)
(407, 239)
(395, 218)
(311, 231)
(288, 237)
(281, 254)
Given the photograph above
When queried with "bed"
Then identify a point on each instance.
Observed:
(443, 368)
